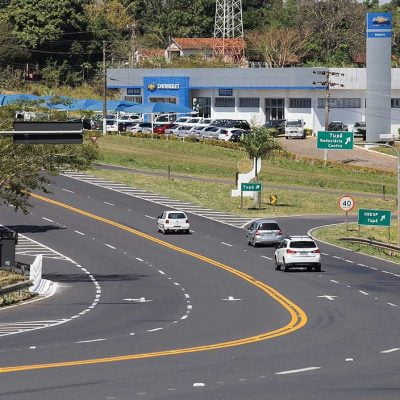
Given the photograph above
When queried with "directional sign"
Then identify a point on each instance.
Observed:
(374, 217)
(346, 203)
(251, 187)
(273, 199)
(335, 140)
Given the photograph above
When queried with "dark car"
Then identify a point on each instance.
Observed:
(337, 126)
(277, 124)
(360, 129)
(232, 123)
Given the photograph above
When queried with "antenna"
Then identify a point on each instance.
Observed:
(228, 31)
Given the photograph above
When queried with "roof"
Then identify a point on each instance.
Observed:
(203, 43)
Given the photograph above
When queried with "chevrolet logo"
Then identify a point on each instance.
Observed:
(152, 87)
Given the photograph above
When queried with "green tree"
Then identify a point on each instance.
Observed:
(22, 166)
(259, 143)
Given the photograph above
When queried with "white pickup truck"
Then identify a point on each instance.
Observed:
(294, 128)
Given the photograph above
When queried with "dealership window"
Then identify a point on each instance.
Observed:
(395, 103)
(136, 99)
(202, 105)
(274, 108)
(249, 102)
(224, 102)
(340, 103)
(301, 102)
(162, 100)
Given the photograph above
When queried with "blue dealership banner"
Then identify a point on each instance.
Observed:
(379, 21)
(167, 87)
(379, 34)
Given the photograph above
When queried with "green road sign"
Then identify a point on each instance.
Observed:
(335, 140)
(374, 217)
(251, 187)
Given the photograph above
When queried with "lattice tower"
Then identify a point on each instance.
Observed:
(228, 30)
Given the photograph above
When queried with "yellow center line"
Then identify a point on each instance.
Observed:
(298, 317)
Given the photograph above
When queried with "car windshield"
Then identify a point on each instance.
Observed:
(303, 244)
(293, 123)
(176, 216)
(360, 124)
(268, 226)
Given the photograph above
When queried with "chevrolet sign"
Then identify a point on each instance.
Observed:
(166, 86)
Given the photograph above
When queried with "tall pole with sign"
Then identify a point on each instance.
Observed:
(379, 80)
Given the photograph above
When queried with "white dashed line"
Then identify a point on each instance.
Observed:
(393, 305)
(332, 280)
(362, 292)
(155, 329)
(268, 258)
(110, 204)
(199, 384)
(226, 244)
(295, 371)
(80, 233)
(109, 245)
(149, 216)
(47, 219)
(390, 350)
(139, 259)
(66, 190)
(91, 341)
(349, 261)
(349, 359)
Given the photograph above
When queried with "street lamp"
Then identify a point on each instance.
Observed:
(398, 181)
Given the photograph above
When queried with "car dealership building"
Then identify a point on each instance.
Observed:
(256, 94)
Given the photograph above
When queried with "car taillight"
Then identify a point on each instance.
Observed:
(187, 221)
(290, 251)
(316, 251)
(257, 232)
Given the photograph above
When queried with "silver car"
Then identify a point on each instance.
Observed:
(263, 231)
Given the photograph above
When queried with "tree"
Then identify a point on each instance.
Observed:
(24, 168)
(259, 143)
(278, 46)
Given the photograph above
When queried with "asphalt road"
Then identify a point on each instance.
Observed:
(140, 315)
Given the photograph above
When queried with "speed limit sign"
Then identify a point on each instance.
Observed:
(346, 203)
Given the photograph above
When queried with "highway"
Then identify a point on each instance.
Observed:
(141, 315)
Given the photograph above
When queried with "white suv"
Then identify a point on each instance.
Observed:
(298, 251)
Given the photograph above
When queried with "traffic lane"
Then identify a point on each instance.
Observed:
(212, 325)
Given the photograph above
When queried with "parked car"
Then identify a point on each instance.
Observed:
(294, 128)
(298, 251)
(237, 135)
(112, 125)
(142, 127)
(182, 131)
(188, 121)
(277, 124)
(126, 125)
(170, 130)
(164, 119)
(337, 126)
(232, 123)
(173, 221)
(205, 122)
(360, 129)
(263, 231)
(226, 133)
(161, 129)
(210, 132)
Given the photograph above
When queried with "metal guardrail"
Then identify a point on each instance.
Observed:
(15, 287)
(374, 243)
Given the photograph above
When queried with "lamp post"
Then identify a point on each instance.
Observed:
(397, 152)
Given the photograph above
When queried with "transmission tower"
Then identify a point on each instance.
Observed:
(228, 30)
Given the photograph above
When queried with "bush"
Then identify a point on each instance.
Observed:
(308, 131)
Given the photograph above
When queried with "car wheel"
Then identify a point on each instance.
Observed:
(277, 266)
(285, 267)
(286, 137)
(309, 269)
(318, 268)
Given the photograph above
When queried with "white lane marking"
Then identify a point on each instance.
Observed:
(393, 305)
(66, 190)
(362, 265)
(231, 298)
(80, 233)
(295, 371)
(349, 261)
(199, 384)
(375, 269)
(155, 329)
(139, 259)
(325, 254)
(184, 317)
(362, 292)
(268, 258)
(161, 272)
(226, 244)
(387, 272)
(91, 341)
(332, 280)
(47, 219)
(110, 204)
(187, 296)
(149, 216)
(390, 350)
(109, 245)
(350, 359)
(139, 300)
(338, 258)
(329, 297)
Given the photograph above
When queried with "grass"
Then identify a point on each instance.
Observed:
(333, 233)
(9, 278)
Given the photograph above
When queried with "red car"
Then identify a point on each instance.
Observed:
(160, 129)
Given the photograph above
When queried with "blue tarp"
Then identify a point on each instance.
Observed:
(14, 98)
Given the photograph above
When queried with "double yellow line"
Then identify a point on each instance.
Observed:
(298, 318)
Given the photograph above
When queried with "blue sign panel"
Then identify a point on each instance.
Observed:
(133, 91)
(225, 92)
(379, 21)
(163, 86)
(382, 34)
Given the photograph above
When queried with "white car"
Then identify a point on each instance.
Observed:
(112, 125)
(210, 132)
(142, 127)
(298, 251)
(173, 221)
(188, 121)
(226, 133)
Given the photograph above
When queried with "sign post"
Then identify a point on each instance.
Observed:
(346, 203)
(250, 187)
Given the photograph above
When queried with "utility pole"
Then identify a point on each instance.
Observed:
(104, 90)
(328, 84)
